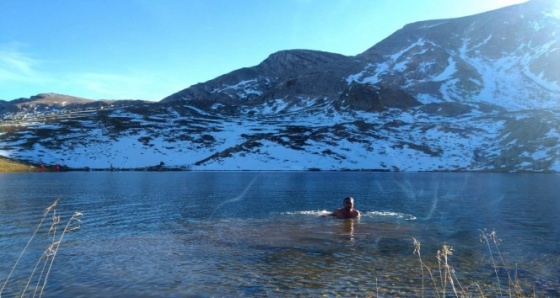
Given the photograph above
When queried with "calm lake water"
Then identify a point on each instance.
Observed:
(203, 234)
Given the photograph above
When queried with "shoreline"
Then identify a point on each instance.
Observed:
(13, 166)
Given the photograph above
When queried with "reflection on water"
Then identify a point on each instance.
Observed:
(247, 234)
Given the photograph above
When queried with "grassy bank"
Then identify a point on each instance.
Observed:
(7, 165)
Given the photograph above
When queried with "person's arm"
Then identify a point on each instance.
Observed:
(330, 214)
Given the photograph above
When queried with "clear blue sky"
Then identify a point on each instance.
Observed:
(148, 49)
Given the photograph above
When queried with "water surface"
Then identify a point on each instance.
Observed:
(181, 234)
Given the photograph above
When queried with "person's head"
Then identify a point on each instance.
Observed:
(348, 203)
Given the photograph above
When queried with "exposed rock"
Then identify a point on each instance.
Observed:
(371, 98)
(478, 93)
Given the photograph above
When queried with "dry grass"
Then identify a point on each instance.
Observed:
(7, 165)
(38, 278)
(446, 283)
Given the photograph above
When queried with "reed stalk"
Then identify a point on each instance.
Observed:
(417, 246)
(448, 279)
(514, 286)
(48, 256)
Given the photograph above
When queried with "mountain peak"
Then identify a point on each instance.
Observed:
(477, 93)
(294, 62)
(52, 99)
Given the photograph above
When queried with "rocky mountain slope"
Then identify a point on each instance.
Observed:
(478, 93)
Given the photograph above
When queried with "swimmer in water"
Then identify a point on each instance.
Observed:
(347, 211)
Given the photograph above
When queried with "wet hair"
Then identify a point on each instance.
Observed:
(348, 198)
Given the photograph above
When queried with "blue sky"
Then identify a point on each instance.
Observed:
(148, 49)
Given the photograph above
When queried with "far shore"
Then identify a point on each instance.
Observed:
(12, 166)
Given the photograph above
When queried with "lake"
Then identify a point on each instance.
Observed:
(204, 234)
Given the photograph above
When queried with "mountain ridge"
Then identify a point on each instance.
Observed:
(440, 95)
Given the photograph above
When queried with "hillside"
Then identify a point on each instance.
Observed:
(7, 166)
(478, 93)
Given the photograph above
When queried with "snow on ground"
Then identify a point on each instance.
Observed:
(538, 78)
(399, 140)
(243, 88)
(556, 166)
(276, 106)
(448, 71)
(330, 153)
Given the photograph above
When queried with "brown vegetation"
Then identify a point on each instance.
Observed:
(445, 282)
(38, 277)
(8, 165)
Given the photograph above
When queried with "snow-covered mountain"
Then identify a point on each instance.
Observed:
(478, 93)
